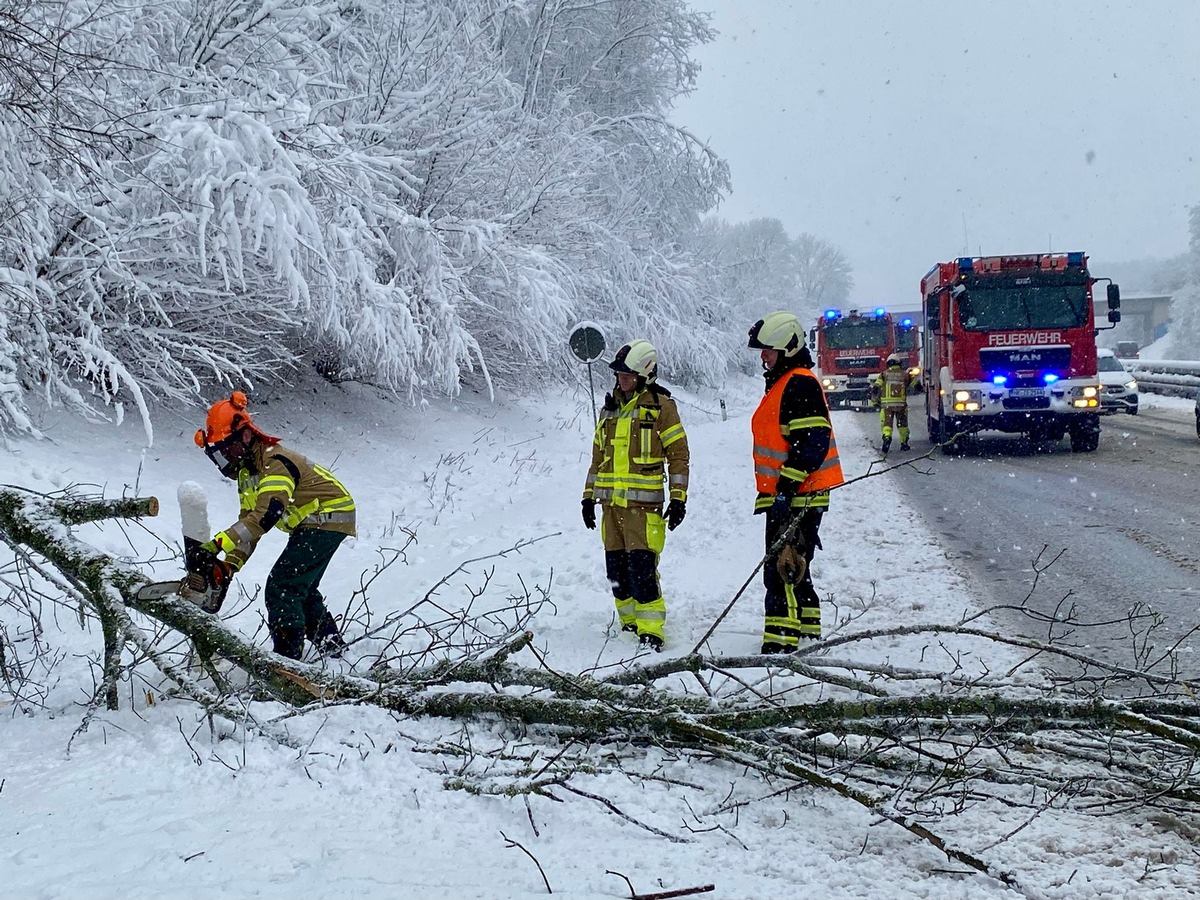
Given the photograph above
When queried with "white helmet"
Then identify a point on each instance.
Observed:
(895, 360)
(637, 358)
(777, 331)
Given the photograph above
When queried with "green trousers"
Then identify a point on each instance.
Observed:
(295, 607)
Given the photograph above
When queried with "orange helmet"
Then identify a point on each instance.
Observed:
(227, 417)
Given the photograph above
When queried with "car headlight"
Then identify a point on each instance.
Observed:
(1131, 385)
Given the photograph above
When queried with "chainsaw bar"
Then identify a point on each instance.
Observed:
(159, 589)
(209, 600)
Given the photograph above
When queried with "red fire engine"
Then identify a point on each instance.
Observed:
(1010, 345)
(850, 350)
(908, 349)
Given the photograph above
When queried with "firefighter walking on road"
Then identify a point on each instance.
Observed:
(892, 386)
(638, 438)
(795, 466)
(278, 488)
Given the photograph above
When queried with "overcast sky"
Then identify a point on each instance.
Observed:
(909, 133)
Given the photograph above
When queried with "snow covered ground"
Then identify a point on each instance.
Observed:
(149, 804)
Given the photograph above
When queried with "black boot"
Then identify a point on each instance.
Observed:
(771, 647)
(326, 637)
(288, 642)
(887, 444)
(653, 641)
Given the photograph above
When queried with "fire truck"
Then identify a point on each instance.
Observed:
(1010, 345)
(909, 350)
(850, 350)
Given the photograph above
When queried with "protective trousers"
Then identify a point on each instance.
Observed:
(894, 415)
(792, 611)
(295, 607)
(633, 539)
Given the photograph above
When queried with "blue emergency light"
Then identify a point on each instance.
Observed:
(880, 311)
(966, 264)
(999, 379)
(906, 322)
(1049, 378)
(832, 313)
(1074, 259)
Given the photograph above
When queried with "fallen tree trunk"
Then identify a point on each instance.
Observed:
(910, 745)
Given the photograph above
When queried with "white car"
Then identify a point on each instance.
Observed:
(1118, 389)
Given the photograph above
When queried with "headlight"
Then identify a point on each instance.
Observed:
(1091, 391)
(1131, 385)
(967, 401)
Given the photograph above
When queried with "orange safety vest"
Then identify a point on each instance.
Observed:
(771, 446)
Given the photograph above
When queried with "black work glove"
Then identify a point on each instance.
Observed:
(589, 512)
(781, 506)
(676, 510)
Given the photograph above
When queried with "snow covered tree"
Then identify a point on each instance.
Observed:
(399, 191)
(1185, 304)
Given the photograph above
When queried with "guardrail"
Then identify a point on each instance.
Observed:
(1176, 377)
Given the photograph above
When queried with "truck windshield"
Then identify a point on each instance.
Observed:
(856, 334)
(906, 338)
(1024, 306)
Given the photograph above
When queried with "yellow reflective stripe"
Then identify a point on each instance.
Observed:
(615, 479)
(671, 435)
(797, 475)
(277, 483)
(801, 424)
(625, 610)
(678, 494)
(236, 537)
(341, 504)
(816, 500)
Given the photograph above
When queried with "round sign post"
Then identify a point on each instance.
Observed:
(587, 343)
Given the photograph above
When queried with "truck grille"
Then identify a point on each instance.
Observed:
(1026, 402)
(858, 362)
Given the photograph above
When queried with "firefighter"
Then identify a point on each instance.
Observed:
(638, 437)
(795, 466)
(892, 387)
(278, 488)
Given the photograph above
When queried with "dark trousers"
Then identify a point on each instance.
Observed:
(295, 607)
(791, 611)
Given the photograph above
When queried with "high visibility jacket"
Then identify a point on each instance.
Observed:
(893, 386)
(636, 439)
(790, 427)
(284, 490)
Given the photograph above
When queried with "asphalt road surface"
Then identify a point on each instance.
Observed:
(1109, 530)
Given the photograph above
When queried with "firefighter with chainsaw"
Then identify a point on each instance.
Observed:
(277, 488)
(639, 436)
(795, 466)
(891, 396)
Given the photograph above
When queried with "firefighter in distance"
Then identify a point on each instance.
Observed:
(891, 389)
(639, 442)
(795, 466)
(278, 488)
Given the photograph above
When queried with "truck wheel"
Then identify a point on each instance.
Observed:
(1084, 439)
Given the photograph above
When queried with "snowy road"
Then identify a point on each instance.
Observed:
(1125, 520)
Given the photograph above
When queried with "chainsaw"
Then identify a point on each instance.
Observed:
(207, 580)
(206, 584)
